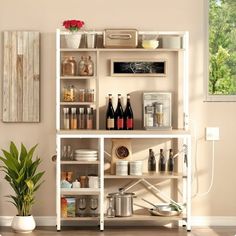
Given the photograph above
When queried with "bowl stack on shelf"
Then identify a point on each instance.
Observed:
(86, 155)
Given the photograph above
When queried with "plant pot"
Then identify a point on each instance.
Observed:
(73, 40)
(23, 224)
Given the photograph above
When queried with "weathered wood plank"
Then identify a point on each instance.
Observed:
(19, 64)
(21, 77)
(36, 105)
(25, 77)
(6, 76)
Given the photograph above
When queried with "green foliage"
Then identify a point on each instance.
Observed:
(222, 47)
(21, 174)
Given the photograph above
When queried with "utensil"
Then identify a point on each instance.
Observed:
(149, 202)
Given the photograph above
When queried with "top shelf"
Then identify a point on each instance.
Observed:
(120, 50)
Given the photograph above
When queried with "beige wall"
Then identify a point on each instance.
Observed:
(46, 16)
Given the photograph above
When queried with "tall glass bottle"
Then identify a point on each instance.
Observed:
(162, 161)
(171, 161)
(119, 115)
(151, 161)
(128, 115)
(110, 115)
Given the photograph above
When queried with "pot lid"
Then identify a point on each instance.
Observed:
(121, 193)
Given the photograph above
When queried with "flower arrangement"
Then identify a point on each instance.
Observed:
(73, 25)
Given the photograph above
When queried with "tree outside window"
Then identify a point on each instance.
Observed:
(222, 47)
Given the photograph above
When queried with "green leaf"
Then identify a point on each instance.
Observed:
(14, 151)
(30, 184)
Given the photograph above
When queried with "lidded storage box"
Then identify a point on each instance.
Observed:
(120, 38)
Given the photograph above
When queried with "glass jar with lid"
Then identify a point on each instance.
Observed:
(89, 95)
(81, 95)
(69, 93)
(81, 118)
(69, 66)
(89, 118)
(86, 67)
(90, 66)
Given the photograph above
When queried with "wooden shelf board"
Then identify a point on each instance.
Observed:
(76, 103)
(80, 191)
(79, 162)
(77, 77)
(120, 50)
(136, 217)
(147, 176)
(80, 218)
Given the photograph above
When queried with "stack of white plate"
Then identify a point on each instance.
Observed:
(85, 155)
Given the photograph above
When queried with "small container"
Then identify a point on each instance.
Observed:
(136, 168)
(81, 95)
(73, 118)
(93, 182)
(76, 184)
(173, 42)
(150, 41)
(70, 93)
(89, 118)
(122, 168)
(83, 181)
(69, 66)
(159, 115)
(70, 206)
(149, 112)
(66, 118)
(90, 66)
(89, 95)
(63, 207)
(86, 67)
(81, 118)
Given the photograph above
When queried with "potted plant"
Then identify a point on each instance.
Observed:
(73, 26)
(22, 175)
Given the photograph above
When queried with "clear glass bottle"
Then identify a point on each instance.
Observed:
(158, 114)
(66, 118)
(69, 66)
(69, 152)
(110, 210)
(81, 118)
(73, 118)
(81, 95)
(149, 112)
(90, 66)
(171, 161)
(89, 118)
(151, 161)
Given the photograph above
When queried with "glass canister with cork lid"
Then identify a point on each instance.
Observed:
(86, 67)
(69, 66)
(69, 93)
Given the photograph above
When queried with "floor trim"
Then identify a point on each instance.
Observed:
(196, 221)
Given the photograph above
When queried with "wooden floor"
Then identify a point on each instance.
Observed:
(126, 231)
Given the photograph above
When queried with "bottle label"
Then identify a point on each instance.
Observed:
(110, 123)
(129, 123)
(120, 123)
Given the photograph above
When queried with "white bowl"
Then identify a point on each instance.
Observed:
(150, 44)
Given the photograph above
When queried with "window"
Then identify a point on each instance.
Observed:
(222, 48)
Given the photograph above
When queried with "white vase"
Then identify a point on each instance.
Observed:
(73, 40)
(23, 224)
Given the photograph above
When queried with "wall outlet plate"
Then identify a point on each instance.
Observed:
(212, 133)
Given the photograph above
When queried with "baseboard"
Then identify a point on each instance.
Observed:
(198, 221)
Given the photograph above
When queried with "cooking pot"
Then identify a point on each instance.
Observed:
(123, 203)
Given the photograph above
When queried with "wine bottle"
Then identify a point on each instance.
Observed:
(162, 161)
(110, 115)
(119, 115)
(151, 161)
(171, 161)
(128, 116)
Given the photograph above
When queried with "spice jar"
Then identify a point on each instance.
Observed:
(73, 119)
(69, 93)
(89, 118)
(81, 118)
(89, 95)
(81, 95)
(66, 118)
(69, 66)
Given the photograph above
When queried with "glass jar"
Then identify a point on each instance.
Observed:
(158, 118)
(86, 67)
(89, 118)
(70, 93)
(81, 118)
(149, 112)
(82, 67)
(73, 118)
(89, 95)
(66, 118)
(69, 66)
(90, 66)
(81, 95)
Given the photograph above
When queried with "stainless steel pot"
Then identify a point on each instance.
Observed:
(123, 203)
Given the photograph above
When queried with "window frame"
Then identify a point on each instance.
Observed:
(209, 97)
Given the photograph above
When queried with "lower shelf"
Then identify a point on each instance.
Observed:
(79, 191)
(80, 219)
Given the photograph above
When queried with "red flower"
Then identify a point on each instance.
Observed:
(73, 25)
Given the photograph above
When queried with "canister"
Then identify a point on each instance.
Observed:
(122, 168)
(173, 42)
(136, 168)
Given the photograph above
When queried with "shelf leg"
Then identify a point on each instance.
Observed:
(58, 190)
(101, 156)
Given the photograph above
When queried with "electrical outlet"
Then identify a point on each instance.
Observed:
(212, 133)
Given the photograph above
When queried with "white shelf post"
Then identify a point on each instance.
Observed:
(101, 158)
(58, 185)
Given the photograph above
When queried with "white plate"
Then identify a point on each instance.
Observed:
(81, 157)
(85, 151)
(85, 155)
(86, 159)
